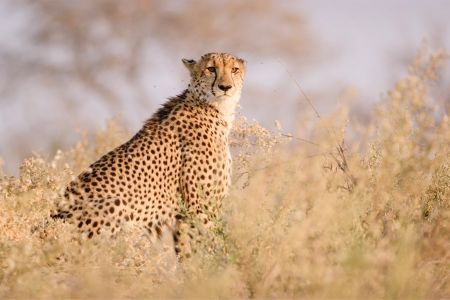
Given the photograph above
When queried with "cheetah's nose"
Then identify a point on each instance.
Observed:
(224, 87)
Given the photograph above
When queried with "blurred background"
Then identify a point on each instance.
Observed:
(68, 65)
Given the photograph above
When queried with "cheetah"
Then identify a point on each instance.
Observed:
(179, 159)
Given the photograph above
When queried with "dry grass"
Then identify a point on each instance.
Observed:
(303, 220)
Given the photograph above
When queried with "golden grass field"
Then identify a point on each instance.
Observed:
(328, 218)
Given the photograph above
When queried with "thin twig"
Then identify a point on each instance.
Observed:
(331, 132)
(300, 89)
(340, 159)
(300, 139)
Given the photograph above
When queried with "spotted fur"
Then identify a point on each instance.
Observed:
(180, 158)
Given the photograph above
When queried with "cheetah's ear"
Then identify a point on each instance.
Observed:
(189, 64)
(243, 62)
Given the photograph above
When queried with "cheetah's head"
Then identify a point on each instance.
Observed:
(217, 78)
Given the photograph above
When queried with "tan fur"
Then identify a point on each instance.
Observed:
(180, 154)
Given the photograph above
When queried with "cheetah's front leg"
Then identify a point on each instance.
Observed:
(182, 238)
(190, 233)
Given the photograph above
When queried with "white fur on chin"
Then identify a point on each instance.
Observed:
(227, 107)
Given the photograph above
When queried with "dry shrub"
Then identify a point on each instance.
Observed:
(310, 219)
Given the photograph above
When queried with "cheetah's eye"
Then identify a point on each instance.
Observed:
(234, 70)
(211, 69)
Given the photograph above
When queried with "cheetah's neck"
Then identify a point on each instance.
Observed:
(227, 108)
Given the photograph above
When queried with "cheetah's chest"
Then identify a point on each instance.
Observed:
(206, 161)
